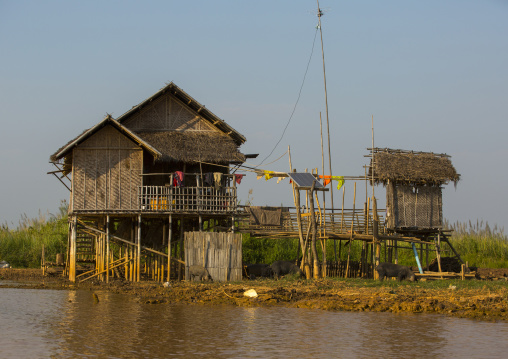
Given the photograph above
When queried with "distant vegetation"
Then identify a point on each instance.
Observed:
(22, 247)
(477, 243)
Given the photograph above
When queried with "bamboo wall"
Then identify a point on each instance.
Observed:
(107, 171)
(168, 114)
(219, 252)
(409, 206)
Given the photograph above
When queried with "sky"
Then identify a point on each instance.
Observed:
(432, 74)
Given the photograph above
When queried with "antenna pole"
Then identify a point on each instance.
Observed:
(319, 14)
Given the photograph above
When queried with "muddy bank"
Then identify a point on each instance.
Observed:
(484, 300)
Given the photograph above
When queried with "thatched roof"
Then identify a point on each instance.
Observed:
(424, 168)
(191, 146)
(192, 104)
(108, 120)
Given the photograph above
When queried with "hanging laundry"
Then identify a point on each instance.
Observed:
(217, 178)
(238, 178)
(326, 179)
(340, 180)
(268, 175)
(178, 179)
(280, 179)
(208, 179)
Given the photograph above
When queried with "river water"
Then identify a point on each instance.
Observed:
(71, 324)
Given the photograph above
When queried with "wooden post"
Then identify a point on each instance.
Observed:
(296, 199)
(375, 231)
(43, 261)
(438, 251)
(352, 229)
(107, 249)
(427, 256)
(138, 255)
(314, 231)
(180, 272)
(170, 235)
(72, 252)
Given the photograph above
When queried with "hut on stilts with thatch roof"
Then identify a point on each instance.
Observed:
(145, 183)
(414, 203)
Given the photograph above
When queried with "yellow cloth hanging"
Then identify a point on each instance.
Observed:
(340, 180)
(328, 179)
(268, 175)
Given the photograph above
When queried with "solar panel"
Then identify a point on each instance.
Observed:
(304, 180)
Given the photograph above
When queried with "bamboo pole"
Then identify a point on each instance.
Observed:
(352, 228)
(181, 256)
(438, 251)
(138, 254)
(314, 231)
(170, 235)
(43, 261)
(326, 100)
(376, 243)
(72, 253)
(296, 199)
(107, 249)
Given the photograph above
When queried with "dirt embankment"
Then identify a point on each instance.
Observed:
(453, 298)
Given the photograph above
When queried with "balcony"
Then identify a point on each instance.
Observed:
(170, 199)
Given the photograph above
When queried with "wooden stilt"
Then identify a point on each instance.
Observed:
(180, 272)
(107, 249)
(314, 231)
(72, 251)
(170, 235)
(138, 254)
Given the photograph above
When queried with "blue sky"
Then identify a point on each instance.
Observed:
(432, 73)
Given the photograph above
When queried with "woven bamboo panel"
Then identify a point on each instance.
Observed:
(409, 206)
(78, 177)
(107, 172)
(167, 114)
(219, 252)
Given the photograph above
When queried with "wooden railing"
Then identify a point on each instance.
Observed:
(337, 223)
(187, 199)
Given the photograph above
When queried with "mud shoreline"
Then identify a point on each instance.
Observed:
(482, 300)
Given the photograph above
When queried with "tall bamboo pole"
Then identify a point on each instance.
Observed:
(320, 13)
(314, 231)
(296, 199)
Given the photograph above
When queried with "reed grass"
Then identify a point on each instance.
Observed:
(479, 244)
(476, 242)
(22, 246)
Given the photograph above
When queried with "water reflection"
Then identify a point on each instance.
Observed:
(63, 324)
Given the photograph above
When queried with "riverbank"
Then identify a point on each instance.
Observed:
(478, 299)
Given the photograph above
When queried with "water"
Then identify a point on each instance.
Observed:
(69, 324)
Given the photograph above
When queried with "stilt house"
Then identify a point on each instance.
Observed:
(143, 179)
(413, 182)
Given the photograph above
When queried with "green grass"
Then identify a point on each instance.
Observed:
(22, 247)
(477, 243)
